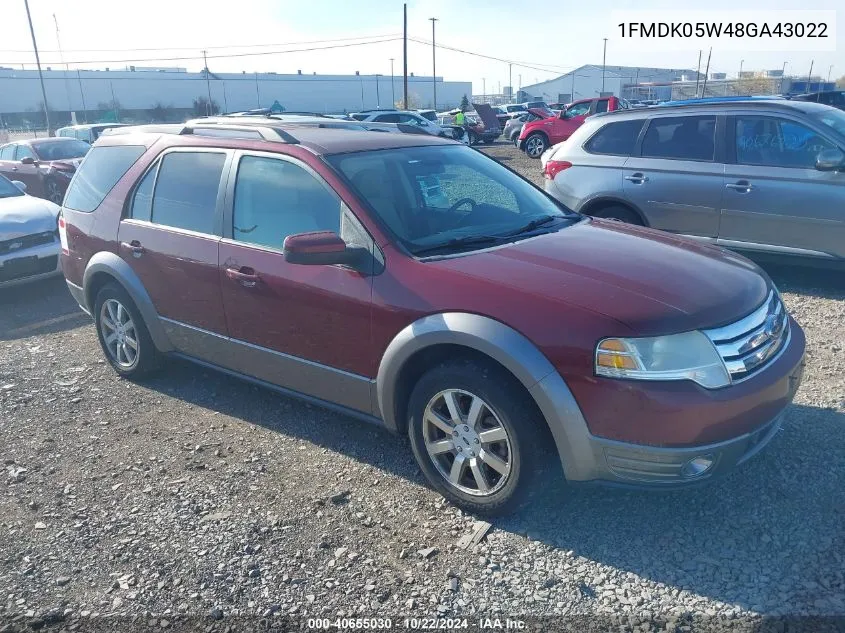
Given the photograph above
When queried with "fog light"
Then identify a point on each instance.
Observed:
(697, 466)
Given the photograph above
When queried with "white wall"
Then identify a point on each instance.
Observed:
(20, 90)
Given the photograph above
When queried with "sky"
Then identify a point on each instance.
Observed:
(545, 39)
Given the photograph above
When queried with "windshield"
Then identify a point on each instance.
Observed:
(7, 189)
(61, 150)
(438, 195)
(833, 118)
(431, 115)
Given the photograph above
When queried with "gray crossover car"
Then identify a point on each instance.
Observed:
(756, 176)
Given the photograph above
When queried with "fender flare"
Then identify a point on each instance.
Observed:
(112, 265)
(510, 349)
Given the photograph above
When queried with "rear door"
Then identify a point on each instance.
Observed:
(170, 237)
(675, 178)
(7, 161)
(774, 198)
(305, 328)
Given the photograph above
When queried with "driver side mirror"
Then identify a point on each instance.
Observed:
(20, 185)
(28, 160)
(323, 248)
(830, 160)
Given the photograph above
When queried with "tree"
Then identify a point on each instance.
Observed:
(840, 83)
(757, 86)
(159, 111)
(201, 107)
(464, 103)
(414, 102)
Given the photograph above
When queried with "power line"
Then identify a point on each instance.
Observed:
(224, 56)
(191, 48)
(532, 66)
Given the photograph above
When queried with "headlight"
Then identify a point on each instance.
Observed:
(687, 356)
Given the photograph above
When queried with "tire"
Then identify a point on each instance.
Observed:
(473, 138)
(54, 192)
(535, 145)
(511, 421)
(114, 303)
(515, 140)
(620, 214)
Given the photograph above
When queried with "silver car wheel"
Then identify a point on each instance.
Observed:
(535, 146)
(119, 334)
(467, 443)
(54, 194)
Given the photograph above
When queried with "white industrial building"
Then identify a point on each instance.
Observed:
(621, 81)
(137, 93)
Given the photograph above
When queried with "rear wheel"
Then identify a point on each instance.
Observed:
(476, 436)
(54, 192)
(122, 333)
(619, 213)
(535, 145)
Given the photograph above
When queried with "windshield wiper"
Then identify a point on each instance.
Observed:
(533, 224)
(469, 240)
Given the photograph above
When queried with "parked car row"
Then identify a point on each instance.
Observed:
(411, 281)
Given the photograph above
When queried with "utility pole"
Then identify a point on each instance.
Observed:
(637, 83)
(257, 93)
(697, 73)
(405, 55)
(208, 109)
(706, 74)
(829, 70)
(378, 94)
(40, 74)
(573, 87)
(392, 86)
(739, 76)
(114, 103)
(433, 63)
(62, 59)
(361, 80)
(782, 76)
(603, 64)
(810, 76)
(510, 78)
(82, 96)
(483, 87)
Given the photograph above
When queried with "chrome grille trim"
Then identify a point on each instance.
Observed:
(749, 344)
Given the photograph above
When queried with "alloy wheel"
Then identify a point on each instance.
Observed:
(467, 443)
(119, 333)
(535, 146)
(54, 194)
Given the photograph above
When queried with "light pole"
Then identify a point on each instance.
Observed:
(829, 70)
(739, 76)
(603, 64)
(433, 63)
(510, 78)
(483, 87)
(392, 86)
(257, 92)
(378, 94)
(40, 74)
(782, 76)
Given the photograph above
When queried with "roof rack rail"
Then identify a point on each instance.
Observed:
(226, 130)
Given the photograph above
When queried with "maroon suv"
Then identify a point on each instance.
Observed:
(413, 281)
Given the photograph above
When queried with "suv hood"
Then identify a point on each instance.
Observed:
(25, 215)
(652, 282)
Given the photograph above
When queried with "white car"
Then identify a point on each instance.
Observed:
(401, 116)
(29, 242)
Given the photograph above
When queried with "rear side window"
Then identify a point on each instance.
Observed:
(618, 139)
(7, 152)
(681, 138)
(601, 105)
(98, 174)
(185, 195)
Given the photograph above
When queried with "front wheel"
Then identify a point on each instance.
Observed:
(619, 214)
(54, 192)
(535, 145)
(475, 435)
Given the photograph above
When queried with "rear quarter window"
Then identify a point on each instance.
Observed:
(98, 174)
(617, 139)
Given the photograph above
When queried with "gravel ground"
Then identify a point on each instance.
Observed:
(195, 495)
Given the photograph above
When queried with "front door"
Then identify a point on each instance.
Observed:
(676, 178)
(775, 200)
(171, 238)
(12, 167)
(563, 126)
(305, 328)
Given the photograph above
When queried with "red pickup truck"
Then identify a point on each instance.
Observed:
(538, 136)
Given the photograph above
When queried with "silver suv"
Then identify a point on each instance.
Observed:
(757, 175)
(401, 116)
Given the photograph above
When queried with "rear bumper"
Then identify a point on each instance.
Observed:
(48, 264)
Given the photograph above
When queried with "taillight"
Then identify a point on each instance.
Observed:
(63, 236)
(553, 167)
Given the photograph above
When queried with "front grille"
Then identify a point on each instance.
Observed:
(41, 266)
(19, 244)
(751, 343)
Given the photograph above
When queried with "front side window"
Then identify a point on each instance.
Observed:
(387, 118)
(98, 174)
(25, 152)
(618, 138)
(277, 198)
(832, 118)
(776, 142)
(442, 196)
(62, 150)
(577, 110)
(185, 195)
(681, 138)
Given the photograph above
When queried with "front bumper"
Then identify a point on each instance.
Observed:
(47, 263)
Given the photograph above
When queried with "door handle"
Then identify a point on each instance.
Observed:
(637, 178)
(743, 186)
(244, 275)
(135, 247)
